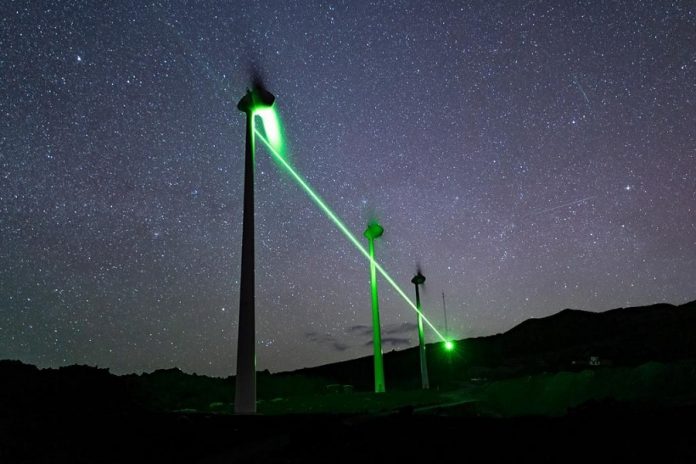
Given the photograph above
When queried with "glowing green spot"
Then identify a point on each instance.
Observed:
(346, 232)
(449, 346)
(271, 127)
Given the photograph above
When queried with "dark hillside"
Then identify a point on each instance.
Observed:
(566, 340)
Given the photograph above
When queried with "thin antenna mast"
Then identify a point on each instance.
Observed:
(444, 310)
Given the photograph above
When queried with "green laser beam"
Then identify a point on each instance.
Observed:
(337, 221)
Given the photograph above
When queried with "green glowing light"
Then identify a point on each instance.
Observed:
(346, 232)
(271, 126)
(449, 346)
(373, 231)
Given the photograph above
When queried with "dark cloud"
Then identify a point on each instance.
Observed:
(338, 346)
(393, 341)
(360, 329)
(406, 327)
(326, 339)
(389, 329)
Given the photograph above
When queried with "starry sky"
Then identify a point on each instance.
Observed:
(530, 155)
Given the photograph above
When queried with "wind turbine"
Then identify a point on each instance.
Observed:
(418, 280)
(372, 232)
(257, 102)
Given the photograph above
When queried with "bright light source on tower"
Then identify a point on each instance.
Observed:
(271, 126)
(449, 346)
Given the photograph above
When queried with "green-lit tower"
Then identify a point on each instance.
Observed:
(255, 101)
(418, 280)
(372, 232)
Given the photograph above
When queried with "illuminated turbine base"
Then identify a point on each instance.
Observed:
(335, 219)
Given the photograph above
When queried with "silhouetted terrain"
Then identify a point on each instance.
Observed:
(625, 337)
(563, 341)
(623, 379)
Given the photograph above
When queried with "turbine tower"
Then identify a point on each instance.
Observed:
(418, 280)
(372, 232)
(255, 100)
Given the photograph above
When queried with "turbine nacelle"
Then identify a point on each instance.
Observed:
(256, 99)
(259, 102)
(373, 231)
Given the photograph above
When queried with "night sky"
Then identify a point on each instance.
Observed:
(531, 156)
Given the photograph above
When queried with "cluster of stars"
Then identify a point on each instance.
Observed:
(530, 156)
